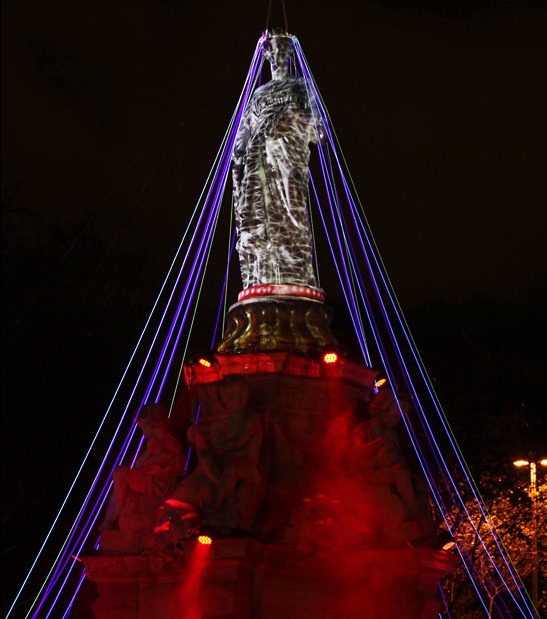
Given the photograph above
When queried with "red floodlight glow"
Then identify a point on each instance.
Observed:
(205, 540)
(330, 357)
(204, 363)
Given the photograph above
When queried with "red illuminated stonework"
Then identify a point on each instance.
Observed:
(279, 363)
(304, 492)
(246, 579)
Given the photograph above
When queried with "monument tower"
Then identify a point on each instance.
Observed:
(300, 491)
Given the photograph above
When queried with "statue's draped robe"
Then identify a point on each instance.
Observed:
(271, 184)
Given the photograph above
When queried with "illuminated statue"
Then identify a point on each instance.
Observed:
(138, 491)
(379, 457)
(270, 176)
(227, 485)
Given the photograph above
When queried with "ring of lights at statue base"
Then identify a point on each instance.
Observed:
(282, 290)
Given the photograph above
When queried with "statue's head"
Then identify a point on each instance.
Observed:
(153, 415)
(386, 408)
(233, 392)
(278, 47)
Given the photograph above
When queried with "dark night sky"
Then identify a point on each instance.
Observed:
(112, 113)
(119, 110)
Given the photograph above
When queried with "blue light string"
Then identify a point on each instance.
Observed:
(379, 296)
(187, 310)
(429, 432)
(351, 305)
(127, 443)
(224, 287)
(145, 362)
(26, 579)
(389, 372)
(327, 129)
(340, 277)
(422, 460)
(354, 270)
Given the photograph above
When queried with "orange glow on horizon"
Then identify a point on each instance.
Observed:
(330, 357)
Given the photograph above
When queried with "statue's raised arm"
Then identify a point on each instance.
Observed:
(270, 175)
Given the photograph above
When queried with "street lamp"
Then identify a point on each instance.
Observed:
(533, 494)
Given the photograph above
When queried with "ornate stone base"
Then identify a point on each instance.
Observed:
(292, 325)
(245, 579)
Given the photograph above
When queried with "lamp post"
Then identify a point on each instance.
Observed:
(533, 494)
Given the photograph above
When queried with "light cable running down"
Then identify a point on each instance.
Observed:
(324, 115)
(251, 78)
(387, 368)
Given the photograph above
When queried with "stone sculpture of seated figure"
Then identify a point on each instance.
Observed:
(138, 491)
(379, 457)
(226, 487)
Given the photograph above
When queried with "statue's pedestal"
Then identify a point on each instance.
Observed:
(245, 579)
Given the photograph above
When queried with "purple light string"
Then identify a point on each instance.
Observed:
(444, 602)
(224, 288)
(80, 582)
(217, 201)
(417, 447)
(203, 245)
(380, 298)
(429, 432)
(387, 321)
(331, 197)
(340, 277)
(74, 552)
(330, 200)
(126, 443)
(100, 427)
(186, 312)
(55, 578)
(72, 565)
(352, 257)
(120, 458)
(335, 151)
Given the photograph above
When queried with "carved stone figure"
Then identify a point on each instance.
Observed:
(270, 176)
(226, 487)
(138, 491)
(377, 451)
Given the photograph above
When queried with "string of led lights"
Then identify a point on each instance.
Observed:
(383, 337)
